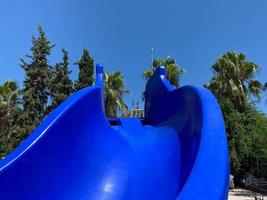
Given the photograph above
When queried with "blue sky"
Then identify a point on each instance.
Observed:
(120, 33)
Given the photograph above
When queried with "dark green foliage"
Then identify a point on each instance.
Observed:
(234, 86)
(9, 107)
(247, 134)
(113, 93)
(61, 84)
(22, 110)
(86, 74)
(37, 77)
(234, 78)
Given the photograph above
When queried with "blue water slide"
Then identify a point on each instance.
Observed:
(177, 151)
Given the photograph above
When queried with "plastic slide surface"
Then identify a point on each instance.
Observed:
(178, 151)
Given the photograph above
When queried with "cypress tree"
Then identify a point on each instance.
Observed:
(86, 74)
(61, 84)
(37, 76)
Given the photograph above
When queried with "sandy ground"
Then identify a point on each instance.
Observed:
(241, 194)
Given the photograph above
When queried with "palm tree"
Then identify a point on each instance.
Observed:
(9, 93)
(234, 77)
(9, 100)
(113, 94)
(9, 113)
(173, 71)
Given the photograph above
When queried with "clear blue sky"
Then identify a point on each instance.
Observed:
(119, 34)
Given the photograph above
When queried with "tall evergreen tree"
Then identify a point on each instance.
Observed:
(86, 74)
(37, 76)
(61, 84)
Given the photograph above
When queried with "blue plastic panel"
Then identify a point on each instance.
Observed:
(196, 116)
(178, 151)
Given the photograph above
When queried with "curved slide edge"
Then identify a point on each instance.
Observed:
(192, 111)
(56, 115)
(48, 122)
(53, 161)
(195, 114)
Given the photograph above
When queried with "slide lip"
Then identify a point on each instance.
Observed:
(209, 176)
(53, 117)
(48, 122)
(212, 160)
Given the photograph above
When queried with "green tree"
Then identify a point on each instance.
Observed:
(86, 74)
(36, 83)
(9, 93)
(173, 70)
(234, 77)
(9, 102)
(113, 94)
(247, 135)
(61, 84)
(235, 87)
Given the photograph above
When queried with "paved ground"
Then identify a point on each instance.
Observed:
(241, 194)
